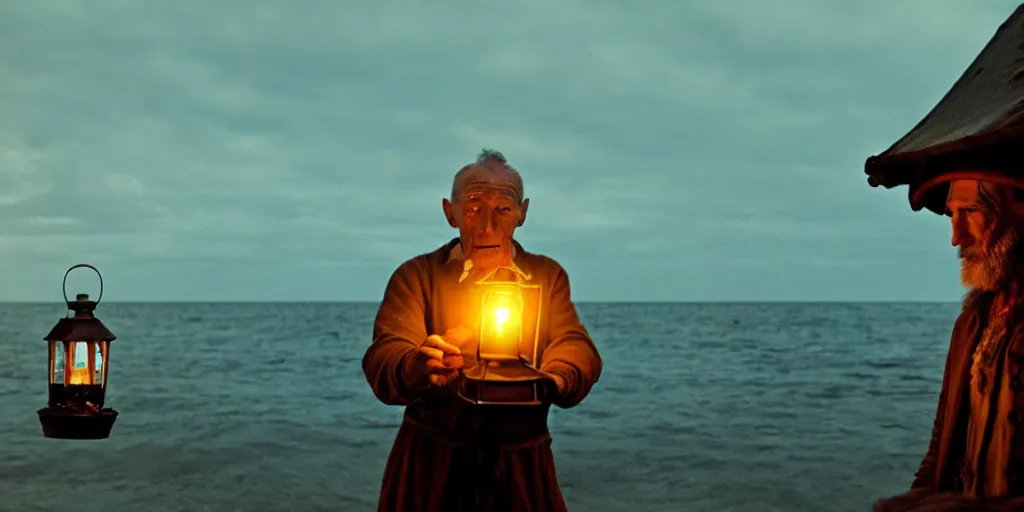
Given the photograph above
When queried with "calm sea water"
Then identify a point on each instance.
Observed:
(702, 407)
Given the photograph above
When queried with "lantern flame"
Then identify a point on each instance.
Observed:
(80, 376)
(500, 330)
(83, 366)
(501, 316)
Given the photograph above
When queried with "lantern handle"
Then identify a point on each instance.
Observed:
(64, 286)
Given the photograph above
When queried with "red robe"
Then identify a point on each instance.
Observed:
(450, 455)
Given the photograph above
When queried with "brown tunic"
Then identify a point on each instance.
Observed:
(983, 458)
(450, 455)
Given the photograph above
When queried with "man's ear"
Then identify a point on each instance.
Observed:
(449, 212)
(522, 209)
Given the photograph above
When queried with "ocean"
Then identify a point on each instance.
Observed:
(702, 407)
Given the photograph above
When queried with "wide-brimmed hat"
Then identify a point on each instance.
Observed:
(976, 131)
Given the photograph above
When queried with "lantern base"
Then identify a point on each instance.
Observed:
(59, 423)
(504, 384)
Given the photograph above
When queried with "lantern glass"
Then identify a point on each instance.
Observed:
(501, 323)
(56, 362)
(78, 363)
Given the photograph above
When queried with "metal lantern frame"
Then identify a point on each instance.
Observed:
(499, 372)
(75, 407)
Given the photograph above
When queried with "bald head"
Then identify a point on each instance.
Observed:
(491, 170)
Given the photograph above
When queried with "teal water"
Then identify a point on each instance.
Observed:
(702, 407)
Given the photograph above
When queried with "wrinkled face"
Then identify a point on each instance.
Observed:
(984, 230)
(487, 211)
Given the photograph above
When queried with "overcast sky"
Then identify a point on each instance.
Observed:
(672, 150)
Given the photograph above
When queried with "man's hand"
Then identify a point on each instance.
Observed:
(436, 362)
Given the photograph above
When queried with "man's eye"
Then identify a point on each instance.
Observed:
(961, 211)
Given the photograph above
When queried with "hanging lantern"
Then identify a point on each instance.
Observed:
(79, 347)
(509, 314)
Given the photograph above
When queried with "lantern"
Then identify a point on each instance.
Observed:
(503, 375)
(79, 349)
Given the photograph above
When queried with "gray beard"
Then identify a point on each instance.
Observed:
(988, 269)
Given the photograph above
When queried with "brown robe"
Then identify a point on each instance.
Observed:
(450, 455)
(944, 479)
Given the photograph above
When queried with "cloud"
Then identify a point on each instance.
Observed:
(245, 135)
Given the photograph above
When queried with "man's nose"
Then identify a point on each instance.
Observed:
(960, 236)
(489, 223)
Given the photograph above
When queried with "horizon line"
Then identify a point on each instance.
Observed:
(768, 301)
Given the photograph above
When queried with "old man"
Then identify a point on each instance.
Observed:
(450, 454)
(975, 459)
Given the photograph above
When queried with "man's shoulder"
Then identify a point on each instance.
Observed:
(975, 301)
(423, 260)
(541, 262)
(974, 311)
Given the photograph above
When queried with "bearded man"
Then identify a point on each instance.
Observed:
(450, 454)
(975, 459)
